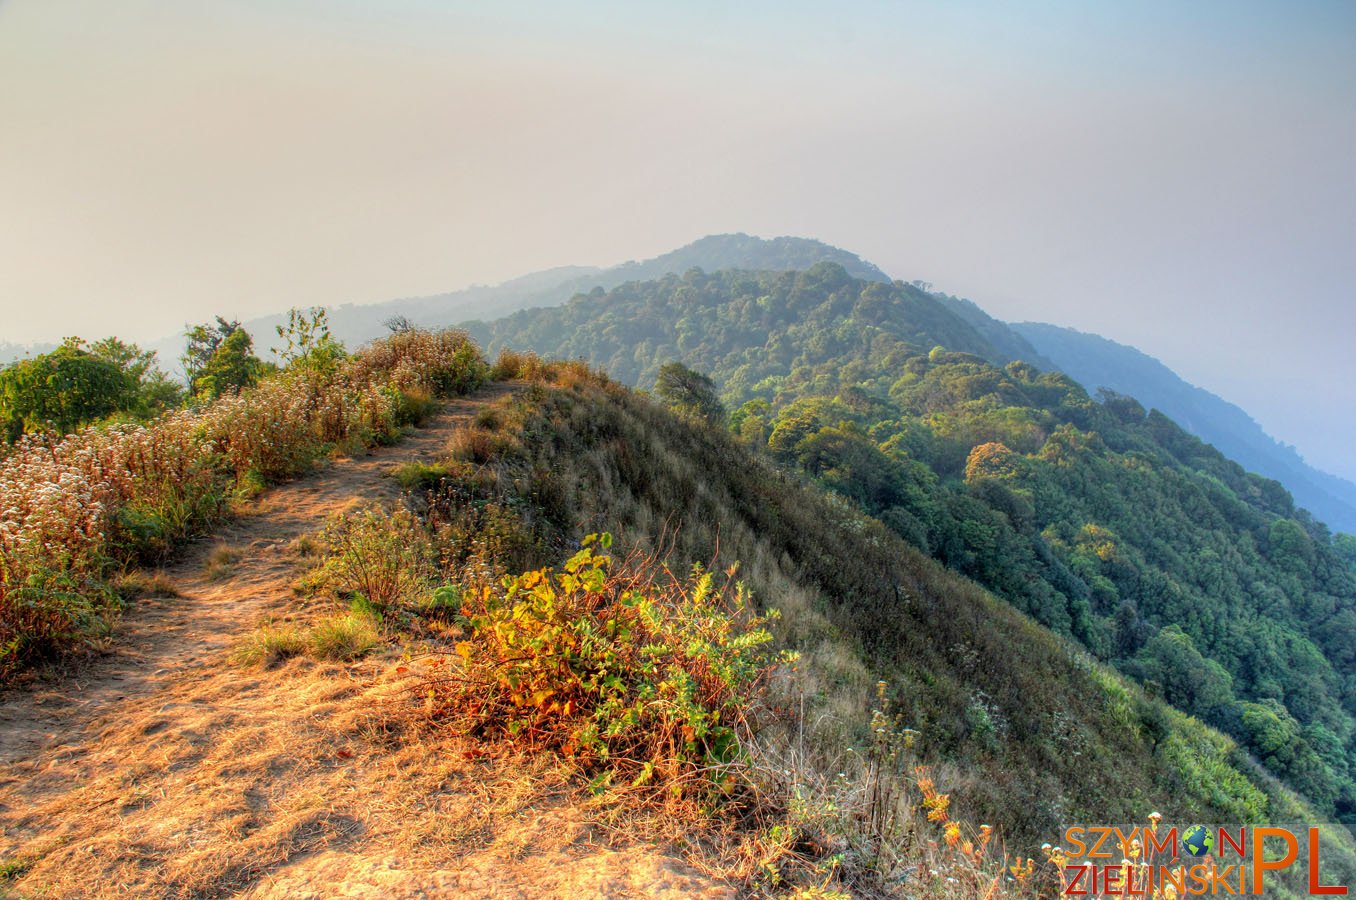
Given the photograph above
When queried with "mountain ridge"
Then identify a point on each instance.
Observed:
(1099, 362)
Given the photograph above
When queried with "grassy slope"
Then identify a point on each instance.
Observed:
(1032, 733)
(1198, 542)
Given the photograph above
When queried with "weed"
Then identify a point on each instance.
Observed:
(13, 868)
(385, 557)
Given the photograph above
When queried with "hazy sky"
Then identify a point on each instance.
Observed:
(1178, 176)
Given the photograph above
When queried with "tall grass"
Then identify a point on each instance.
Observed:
(74, 507)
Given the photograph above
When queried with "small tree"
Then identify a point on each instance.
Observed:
(306, 342)
(69, 387)
(689, 392)
(156, 392)
(203, 341)
(231, 367)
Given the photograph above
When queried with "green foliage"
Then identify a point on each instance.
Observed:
(305, 342)
(73, 386)
(688, 393)
(1102, 521)
(231, 367)
(203, 342)
(649, 677)
(155, 393)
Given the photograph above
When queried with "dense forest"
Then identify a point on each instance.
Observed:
(1096, 362)
(1101, 520)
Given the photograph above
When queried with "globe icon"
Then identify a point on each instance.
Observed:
(1198, 841)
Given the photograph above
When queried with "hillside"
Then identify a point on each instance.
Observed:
(1102, 521)
(1097, 362)
(1018, 726)
(761, 331)
(164, 768)
(352, 685)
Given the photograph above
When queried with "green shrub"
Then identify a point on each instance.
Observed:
(385, 557)
(644, 676)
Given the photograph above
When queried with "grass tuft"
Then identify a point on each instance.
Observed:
(221, 564)
(268, 646)
(419, 476)
(344, 637)
(139, 584)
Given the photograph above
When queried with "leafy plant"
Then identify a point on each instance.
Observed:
(634, 671)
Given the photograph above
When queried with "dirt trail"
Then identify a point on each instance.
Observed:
(161, 770)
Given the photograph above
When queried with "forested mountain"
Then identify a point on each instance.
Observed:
(1097, 362)
(759, 331)
(355, 324)
(1102, 521)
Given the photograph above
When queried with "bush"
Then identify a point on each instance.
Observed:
(512, 364)
(644, 676)
(386, 558)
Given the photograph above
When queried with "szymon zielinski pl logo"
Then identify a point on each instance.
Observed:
(1174, 861)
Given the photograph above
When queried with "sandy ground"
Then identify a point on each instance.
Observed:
(160, 769)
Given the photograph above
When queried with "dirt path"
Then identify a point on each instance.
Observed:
(164, 639)
(162, 770)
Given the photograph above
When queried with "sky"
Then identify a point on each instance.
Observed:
(1176, 176)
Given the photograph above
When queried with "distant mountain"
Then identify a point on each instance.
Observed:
(355, 324)
(10, 351)
(742, 251)
(1096, 362)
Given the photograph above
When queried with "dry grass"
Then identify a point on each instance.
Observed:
(221, 563)
(312, 775)
(140, 583)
